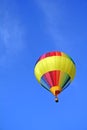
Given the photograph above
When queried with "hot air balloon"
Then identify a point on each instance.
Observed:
(55, 71)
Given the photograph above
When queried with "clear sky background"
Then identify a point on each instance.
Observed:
(29, 28)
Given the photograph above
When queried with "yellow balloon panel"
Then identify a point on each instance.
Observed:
(61, 63)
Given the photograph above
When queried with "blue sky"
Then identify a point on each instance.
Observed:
(27, 30)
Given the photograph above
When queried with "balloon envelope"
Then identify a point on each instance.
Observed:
(55, 71)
